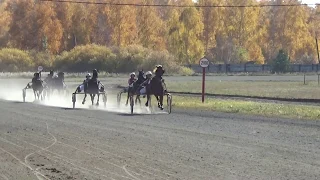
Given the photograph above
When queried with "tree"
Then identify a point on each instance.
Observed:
(151, 27)
(184, 36)
(211, 21)
(122, 23)
(281, 62)
(290, 30)
(49, 29)
(5, 20)
(22, 31)
(191, 34)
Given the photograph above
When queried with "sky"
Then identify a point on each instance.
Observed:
(306, 1)
(311, 1)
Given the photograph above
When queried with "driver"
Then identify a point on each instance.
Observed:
(49, 77)
(36, 77)
(81, 87)
(88, 77)
(146, 84)
(132, 78)
(35, 80)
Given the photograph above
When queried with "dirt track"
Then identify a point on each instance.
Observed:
(40, 142)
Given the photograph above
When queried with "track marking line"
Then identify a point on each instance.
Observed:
(4, 177)
(125, 169)
(42, 149)
(63, 158)
(4, 140)
(26, 165)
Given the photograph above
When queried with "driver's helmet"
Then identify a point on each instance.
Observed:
(37, 75)
(133, 74)
(149, 74)
(55, 76)
(159, 66)
(88, 75)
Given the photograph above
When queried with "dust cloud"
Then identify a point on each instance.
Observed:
(11, 90)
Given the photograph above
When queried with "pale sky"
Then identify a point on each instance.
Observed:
(303, 1)
(311, 1)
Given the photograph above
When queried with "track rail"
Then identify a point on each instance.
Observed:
(292, 100)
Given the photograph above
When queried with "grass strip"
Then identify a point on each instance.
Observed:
(294, 111)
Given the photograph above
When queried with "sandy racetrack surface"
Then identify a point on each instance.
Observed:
(53, 141)
(41, 142)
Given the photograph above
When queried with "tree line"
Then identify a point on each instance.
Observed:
(222, 34)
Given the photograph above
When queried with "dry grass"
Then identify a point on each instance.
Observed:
(247, 107)
(251, 88)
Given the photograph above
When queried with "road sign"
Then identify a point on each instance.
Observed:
(204, 62)
(40, 68)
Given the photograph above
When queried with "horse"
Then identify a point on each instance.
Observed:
(93, 87)
(57, 83)
(134, 87)
(157, 88)
(37, 86)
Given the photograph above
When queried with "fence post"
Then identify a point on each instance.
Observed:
(318, 79)
(304, 78)
(299, 67)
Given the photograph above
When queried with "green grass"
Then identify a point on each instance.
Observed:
(283, 89)
(251, 108)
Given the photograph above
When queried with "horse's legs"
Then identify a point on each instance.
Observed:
(98, 99)
(157, 97)
(127, 98)
(148, 99)
(161, 102)
(138, 99)
(92, 98)
(84, 99)
(35, 95)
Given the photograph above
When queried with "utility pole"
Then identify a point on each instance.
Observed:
(318, 50)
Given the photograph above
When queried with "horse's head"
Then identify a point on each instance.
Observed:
(36, 75)
(159, 71)
(61, 75)
(141, 74)
(95, 73)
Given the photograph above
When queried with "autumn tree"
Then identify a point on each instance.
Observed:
(5, 20)
(22, 30)
(150, 27)
(122, 23)
(49, 29)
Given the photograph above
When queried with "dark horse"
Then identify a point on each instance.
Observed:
(56, 82)
(37, 87)
(157, 87)
(134, 87)
(93, 87)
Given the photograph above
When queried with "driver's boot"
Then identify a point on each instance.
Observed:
(147, 104)
(84, 101)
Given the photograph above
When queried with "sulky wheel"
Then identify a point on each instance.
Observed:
(105, 100)
(119, 99)
(24, 95)
(74, 99)
(131, 103)
(169, 103)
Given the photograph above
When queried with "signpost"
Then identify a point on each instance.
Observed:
(204, 63)
(40, 68)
